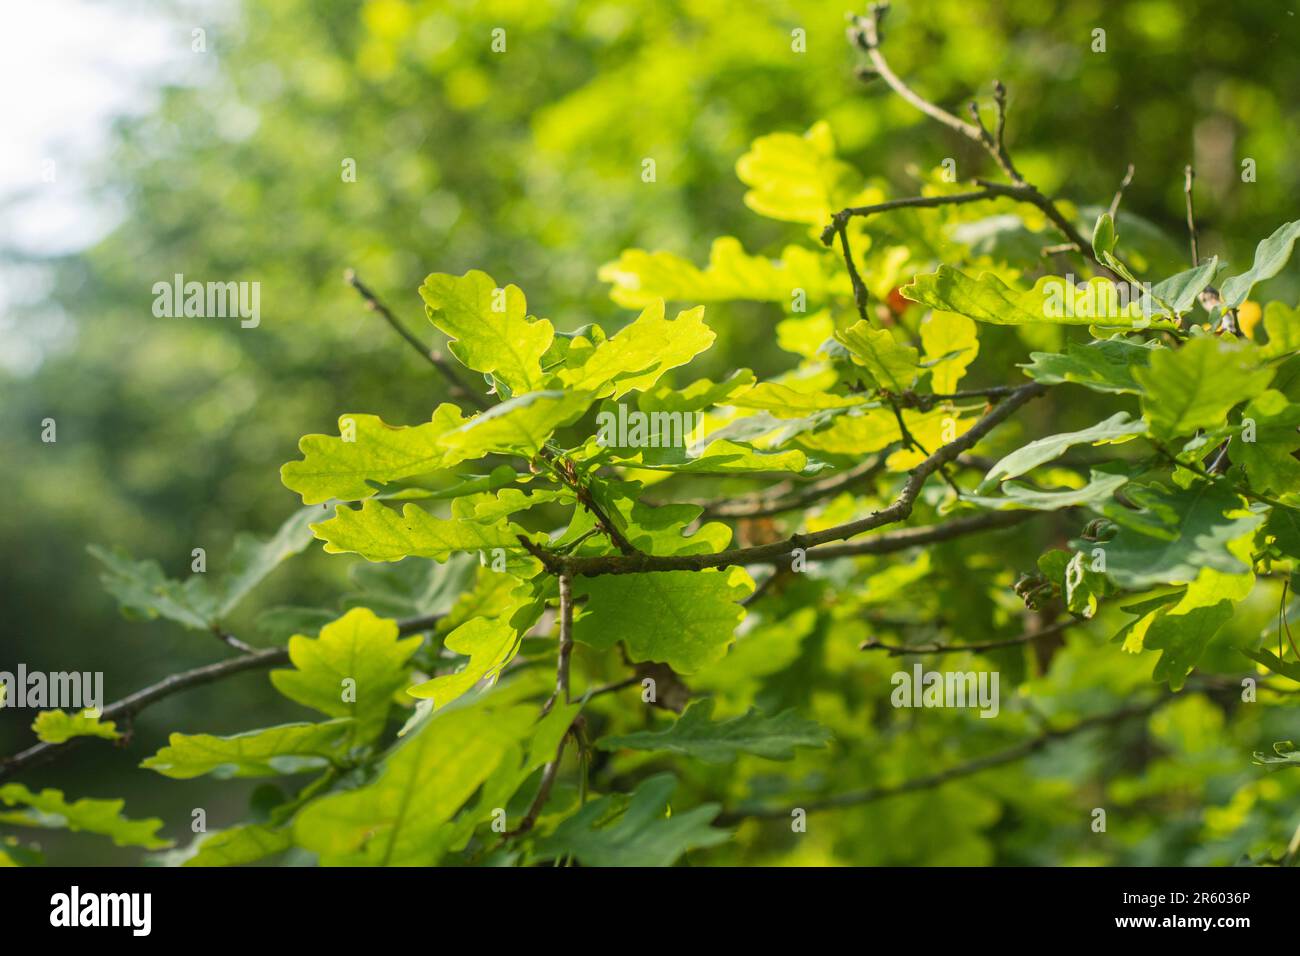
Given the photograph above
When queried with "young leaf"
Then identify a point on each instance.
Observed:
(488, 326)
(892, 365)
(57, 726)
(269, 752)
(1104, 366)
(685, 619)
(352, 669)
(1118, 428)
(490, 646)
(796, 178)
(368, 453)
(50, 809)
(402, 817)
(1270, 256)
(1195, 387)
(644, 834)
(639, 278)
(379, 533)
(695, 734)
(641, 353)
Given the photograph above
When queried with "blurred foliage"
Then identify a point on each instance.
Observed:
(527, 164)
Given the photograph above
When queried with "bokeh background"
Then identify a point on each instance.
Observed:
(225, 164)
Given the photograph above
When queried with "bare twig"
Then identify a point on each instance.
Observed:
(866, 34)
(1119, 193)
(898, 650)
(446, 369)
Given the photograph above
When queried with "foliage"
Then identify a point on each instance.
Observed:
(961, 461)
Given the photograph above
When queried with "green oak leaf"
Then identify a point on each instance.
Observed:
(352, 669)
(638, 278)
(638, 356)
(1103, 366)
(489, 644)
(489, 508)
(489, 327)
(522, 425)
(1182, 632)
(271, 751)
(1116, 429)
(379, 533)
(722, 457)
(1017, 495)
(796, 178)
(1194, 387)
(892, 364)
(1270, 421)
(368, 453)
(51, 810)
(1180, 292)
(696, 734)
(644, 834)
(403, 817)
(1175, 533)
(1270, 256)
(1052, 301)
(57, 726)
(236, 846)
(951, 343)
(684, 619)
(786, 400)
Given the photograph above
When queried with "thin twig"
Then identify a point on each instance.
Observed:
(132, 704)
(1119, 193)
(458, 388)
(898, 650)
(1188, 176)
(566, 644)
(997, 759)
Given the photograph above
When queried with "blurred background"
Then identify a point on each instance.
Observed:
(147, 139)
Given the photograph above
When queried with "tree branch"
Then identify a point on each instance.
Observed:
(866, 34)
(899, 650)
(132, 704)
(979, 764)
(458, 388)
(899, 510)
